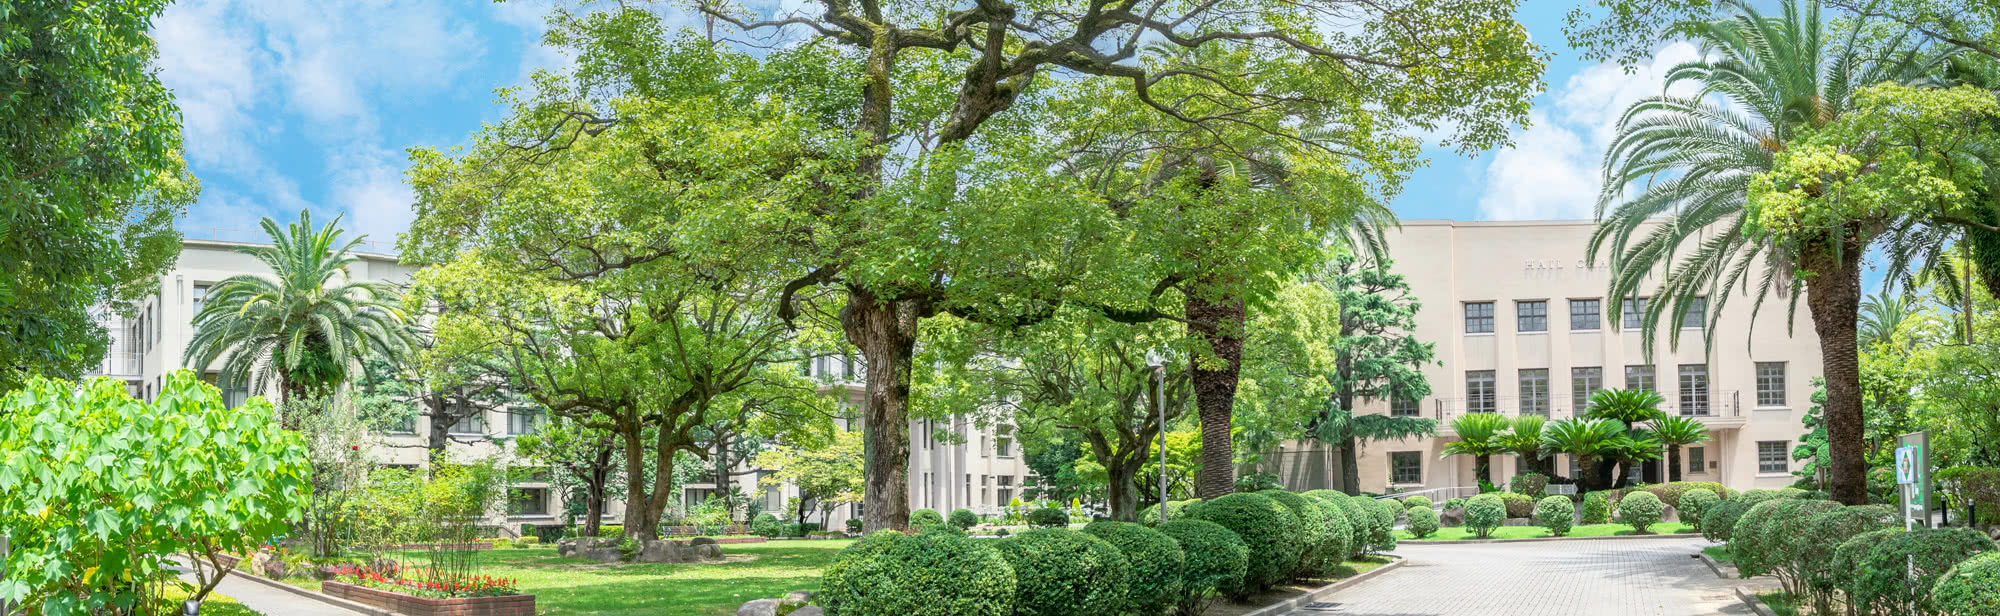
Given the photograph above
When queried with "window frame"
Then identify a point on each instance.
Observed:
(1536, 400)
(1489, 397)
(1652, 377)
(1783, 455)
(1003, 441)
(1633, 315)
(1580, 392)
(1398, 460)
(1595, 315)
(1475, 322)
(1697, 459)
(1697, 310)
(1531, 316)
(513, 499)
(1694, 396)
(1780, 380)
(1402, 407)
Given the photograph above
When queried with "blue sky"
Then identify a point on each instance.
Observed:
(312, 105)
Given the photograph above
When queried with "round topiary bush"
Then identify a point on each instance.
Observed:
(1150, 516)
(1315, 531)
(964, 519)
(925, 517)
(1849, 566)
(1339, 545)
(1156, 561)
(1762, 543)
(1048, 517)
(1518, 505)
(766, 525)
(1530, 485)
(1483, 513)
(1718, 519)
(1807, 549)
(1640, 510)
(1556, 513)
(939, 574)
(1928, 553)
(1359, 521)
(1418, 501)
(1692, 503)
(1423, 521)
(1268, 528)
(1382, 535)
(1596, 508)
(1059, 572)
(1215, 561)
(1970, 588)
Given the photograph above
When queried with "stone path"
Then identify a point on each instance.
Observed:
(271, 601)
(1638, 577)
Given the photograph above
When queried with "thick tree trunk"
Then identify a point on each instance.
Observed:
(1124, 491)
(722, 472)
(886, 332)
(1350, 467)
(1673, 463)
(1833, 295)
(640, 521)
(1219, 324)
(440, 430)
(1586, 475)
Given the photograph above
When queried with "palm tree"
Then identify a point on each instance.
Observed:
(1476, 433)
(1881, 316)
(1687, 163)
(1674, 433)
(1584, 440)
(1628, 407)
(1524, 438)
(309, 324)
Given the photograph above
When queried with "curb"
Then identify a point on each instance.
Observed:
(1536, 539)
(1713, 565)
(333, 601)
(1285, 607)
(1756, 605)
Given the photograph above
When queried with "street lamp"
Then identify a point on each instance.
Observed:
(1159, 367)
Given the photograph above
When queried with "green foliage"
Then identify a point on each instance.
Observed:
(1452, 503)
(1904, 567)
(97, 489)
(1718, 519)
(1692, 505)
(1807, 547)
(1672, 493)
(1596, 508)
(1060, 572)
(964, 519)
(1477, 434)
(1519, 505)
(1850, 566)
(1585, 440)
(1381, 534)
(1970, 588)
(765, 525)
(1626, 406)
(889, 573)
(1150, 516)
(1640, 510)
(826, 474)
(1755, 542)
(1339, 544)
(1316, 533)
(1374, 356)
(1360, 522)
(1216, 560)
(1483, 513)
(1422, 521)
(1156, 559)
(1046, 517)
(1974, 488)
(1556, 513)
(1418, 501)
(1530, 485)
(925, 517)
(1269, 529)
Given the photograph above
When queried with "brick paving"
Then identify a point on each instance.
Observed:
(1639, 577)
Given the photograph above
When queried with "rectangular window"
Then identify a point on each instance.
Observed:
(1770, 383)
(1006, 489)
(1535, 391)
(1531, 316)
(985, 489)
(200, 295)
(1403, 407)
(1632, 311)
(1697, 460)
(1640, 377)
(1479, 317)
(1694, 389)
(1773, 457)
(847, 366)
(820, 366)
(1406, 467)
(1003, 441)
(1585, 314)
(528, 501)
(1582, 383)
(470, 424)
(1696, 314)
(1479, 394)
(523, 422)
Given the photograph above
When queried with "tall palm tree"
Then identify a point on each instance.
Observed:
(1584, 439)
(1675, 433)
(1524, 438)
(1882, 315)
(309, 324)
(1476, 434)
(1687, 163)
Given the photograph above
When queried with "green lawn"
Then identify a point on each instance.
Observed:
(1719, 552)
(1531, 532)
(1779, 602)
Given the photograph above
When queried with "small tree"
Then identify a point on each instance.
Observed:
(1478, 437)
(1674, 433)
(1375, 359)
(829, 473)
(584, 460)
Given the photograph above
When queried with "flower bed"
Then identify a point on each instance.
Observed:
(422, 592)
(412, 605)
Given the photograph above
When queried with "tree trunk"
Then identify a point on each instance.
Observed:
(1219, 324)
(640, 521)
(886, 332)
(1586, 475)
(599, 480)
(1833, 295)
(1350, 467)
(1673, 463)
(1123, 493)
(440, 429)
(722, 472)
(1482, 469)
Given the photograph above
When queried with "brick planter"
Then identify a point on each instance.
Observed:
(510, 605)
(741, 540)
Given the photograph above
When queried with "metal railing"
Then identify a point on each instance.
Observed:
(121, 363)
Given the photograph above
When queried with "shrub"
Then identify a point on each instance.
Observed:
(1596, 508)
(1360, 522)
(1640, 510)
(1671, 493)
(1718, 519)
(1423, 521)
(1757, 544)
(853, 525)
(1850, 563)
(765, 525)
(1382, 534)
(1530, 485)
(1156, 562)
(964, 519)
(523, 542)
(925, 517)
(1518, 505)
(1807, 548)
(1215, 561)
(1267, 528)
(1483, 513)
(1339, 544)
(1048, 517)
(1692, 503)
(1556, 513)
(1150, 516)
(792, 530)
(611, 530)
(1970, 588)
(1060, 572)
(1315, 533)
(889, 573)
(1929, 553)
(1417, 501)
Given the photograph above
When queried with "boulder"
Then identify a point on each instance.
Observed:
(809, 610)
(659, 551)
(798, 597)
(701, 541)
(708, 552)
(566, 548)
(600, 554)
(760, 607)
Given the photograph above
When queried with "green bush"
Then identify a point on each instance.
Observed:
(1671, 493)
(1850, 562)
(853, 525)
(1640, 510)
(792, 530)
(765, 525)
(1691, 506)
(1423, 521)
(1382, 534)
(1806, 549)
(889, 573)
(964, 519)
(1970, 588)
(1718, 519)
(1596, 508)
(1360, 522)
(1929, 553)
(611, 530)
(1556, 513)
(1048, 517)
(1061, 572)
(1215, 561)
(1418, 501)
(1483, 513)
(1518, 505)
(1530, 485)
(1759, 542)
(1150, 516)
(925, 517)
(1315, 533)
(1268, 528)
(1156, 561)
(527, 542)
(1339, 544)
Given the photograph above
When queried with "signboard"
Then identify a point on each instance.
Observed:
(1913, 473)
(1906, 465)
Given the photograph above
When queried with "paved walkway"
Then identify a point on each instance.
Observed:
(1638, 577)
(271, 601)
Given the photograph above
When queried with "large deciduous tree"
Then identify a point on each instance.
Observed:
(584, 461)
(1376, 358)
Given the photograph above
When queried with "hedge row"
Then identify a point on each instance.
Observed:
(1821, 550)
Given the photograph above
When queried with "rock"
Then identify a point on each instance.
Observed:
(659, 551)
(809, 611)
(701, 541)
(708, 552)
(566, 548)
(798, 597)
(760, 607)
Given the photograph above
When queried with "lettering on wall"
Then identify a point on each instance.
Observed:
(1553, 269)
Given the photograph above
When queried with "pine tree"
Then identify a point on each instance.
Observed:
(1376, 358)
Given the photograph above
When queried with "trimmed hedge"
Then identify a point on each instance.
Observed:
(1382, 534)
(1150, 516)
(1215, 561)
(1483, 513)
(1316, 533)
(925, 517)
(1596, 508)
(1360, 522)
(1555, 513)
(1339, 544)
(1929, 552)
(1267, 528)
(937, 574)
(1718, 519)
(1518, 505)
(1640, 510)
(963, 519)
(1759, 543)
(1692, 503)
(1418, 501)
(1156, 561)
(1970, 588)
(1048, 517)
(766, 525)
(1809, 547)
(1850, 565)
(1530, 485)
(1060, 572)
(1423, 521)
(1671, 493)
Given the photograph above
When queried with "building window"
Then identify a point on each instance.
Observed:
(1640, 377)
(1006, 489)
(523, 422)
(1697, 460)
(1633, 311)
(1694, 389)
(1772, 456)
(200, 295)
(928, 437)
(474, 423)
(1585, 314)
(1479, 394)
(1406, 467)
(1535, 391)
(1531, 316)
(1770, 383)
(985, 489)
(847, 366)
(1403, 407)
(1582, 383)
(528, 501)
(1696, 314)
(1003, 441)
(1479, 318)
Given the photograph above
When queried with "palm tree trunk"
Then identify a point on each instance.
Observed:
(1833, 295)
(1483, 469)
(1673, 463)
(886, 332)
(1220, 325)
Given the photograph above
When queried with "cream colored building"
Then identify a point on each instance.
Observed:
(1522, 325)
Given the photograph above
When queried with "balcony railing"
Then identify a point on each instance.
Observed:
(1715, 404)
(120, 363)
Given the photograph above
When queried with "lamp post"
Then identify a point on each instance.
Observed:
(1160, 379)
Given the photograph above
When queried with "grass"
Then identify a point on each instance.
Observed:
(1780, 603)
(217, 604)
(1533, 532)
(1719, 552)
